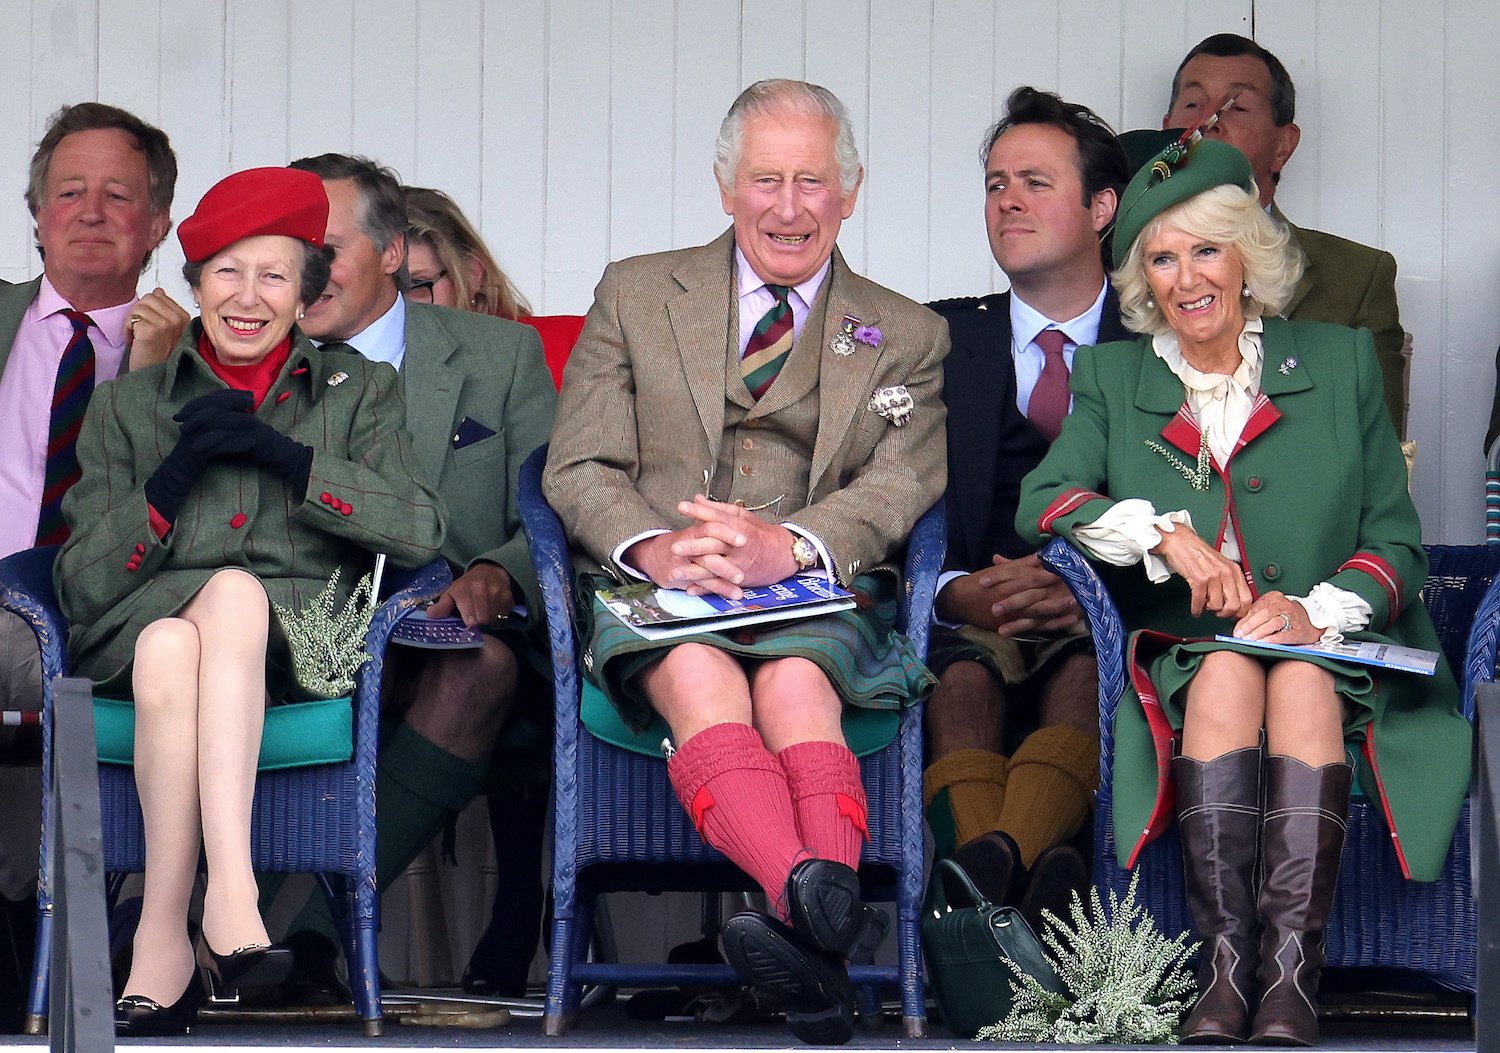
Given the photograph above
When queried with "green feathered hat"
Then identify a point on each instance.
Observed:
(1170, 177)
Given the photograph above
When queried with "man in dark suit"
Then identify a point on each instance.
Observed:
(1011, 655)
(479, 399)
(1345, 283)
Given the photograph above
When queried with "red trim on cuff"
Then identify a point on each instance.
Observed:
(159, 526)
(1384, 575)
(1070, 500)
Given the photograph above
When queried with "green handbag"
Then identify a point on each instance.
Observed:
(966, 939)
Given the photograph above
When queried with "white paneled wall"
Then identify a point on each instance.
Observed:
(579, 131)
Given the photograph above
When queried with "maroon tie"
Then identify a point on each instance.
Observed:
(1049, 399)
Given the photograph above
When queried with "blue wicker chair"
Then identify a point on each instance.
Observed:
(318, 819)
(1379, 919)
(619, 827)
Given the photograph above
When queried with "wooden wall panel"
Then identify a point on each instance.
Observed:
(324, 35)
(897, 190)
(448, 98)
(396, 46)
(258, 76)
(708, 63)
(642, 72)
(20, 128)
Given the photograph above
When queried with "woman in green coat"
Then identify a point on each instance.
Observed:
(1249, 466)
(242, 472)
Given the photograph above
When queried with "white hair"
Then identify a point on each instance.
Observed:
(783, 97)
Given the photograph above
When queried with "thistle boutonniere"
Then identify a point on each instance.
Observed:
(1198, 476)
(853, 332)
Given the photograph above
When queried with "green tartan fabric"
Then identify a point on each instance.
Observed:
(873, 667)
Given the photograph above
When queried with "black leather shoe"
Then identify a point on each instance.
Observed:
(824, 906)
(137, 1016)
(314, 977)
(993, 863)
(1055, 875)
(813, 985)
(225, 975)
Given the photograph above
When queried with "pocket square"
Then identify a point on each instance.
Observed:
(894, 403)
(469, 432)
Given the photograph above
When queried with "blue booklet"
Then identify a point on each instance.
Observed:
(1362, 652)
(661, 614)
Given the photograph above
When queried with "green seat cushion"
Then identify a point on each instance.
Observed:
(865, 730)
(296, 735)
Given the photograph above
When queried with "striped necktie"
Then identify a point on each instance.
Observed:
(769, 345)
(70, 397)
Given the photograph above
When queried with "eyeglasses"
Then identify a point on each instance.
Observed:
(421, 289)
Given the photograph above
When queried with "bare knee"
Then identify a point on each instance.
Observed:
(165, 675)
(966, 710)
(235, 596)
(694, 686)
(794, 701)
(1304, 713)
(1226, 705)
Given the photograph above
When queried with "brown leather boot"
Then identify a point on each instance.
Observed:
(1218, 816)
(1302, 838)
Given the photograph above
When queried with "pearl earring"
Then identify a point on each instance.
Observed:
(1151, 303)
(1245, 290)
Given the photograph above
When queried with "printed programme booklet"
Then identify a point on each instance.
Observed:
(661, 614)
(1381, 655)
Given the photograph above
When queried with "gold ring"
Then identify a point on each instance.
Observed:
(133, 319)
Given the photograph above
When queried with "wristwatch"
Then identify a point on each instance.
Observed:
(804, 552)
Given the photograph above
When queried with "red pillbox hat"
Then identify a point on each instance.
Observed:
(256, 201)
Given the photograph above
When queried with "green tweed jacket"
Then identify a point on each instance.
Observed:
(479, 399)
(367, 493)
(14, 299)
(1317, 489)
(1347, 283)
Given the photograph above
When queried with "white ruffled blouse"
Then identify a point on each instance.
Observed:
(1222, 405)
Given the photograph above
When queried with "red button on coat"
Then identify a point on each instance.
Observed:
(132, 567)
(140, 550)
(283, 397)
(346, 509)
(238, 520)
(326, 498)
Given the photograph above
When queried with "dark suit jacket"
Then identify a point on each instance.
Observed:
(466, 375)
(991, 445)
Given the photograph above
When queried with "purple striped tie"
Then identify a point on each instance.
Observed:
(70, 397)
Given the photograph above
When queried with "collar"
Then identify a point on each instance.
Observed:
(305, 362)
(384, 340)
(1026, 321)
(110, 321)
(747, 281)
(1246, 376)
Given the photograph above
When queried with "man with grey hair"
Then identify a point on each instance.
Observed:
(100, 194)
(479, 399)
(732, 415)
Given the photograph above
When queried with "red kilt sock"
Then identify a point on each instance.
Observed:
(736, 794)
(829, 799)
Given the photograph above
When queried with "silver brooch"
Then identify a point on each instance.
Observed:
(337, 379)
(893, 403)
(1287, 366)
(843, 340)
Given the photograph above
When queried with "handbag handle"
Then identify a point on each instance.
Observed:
(945, 871)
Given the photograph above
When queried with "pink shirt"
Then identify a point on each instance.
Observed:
(756, 298)
(26, 402)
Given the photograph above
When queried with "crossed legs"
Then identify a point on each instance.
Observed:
(200, 696)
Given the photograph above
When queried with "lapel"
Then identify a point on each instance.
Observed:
(700, 317)
(431, 386)
(1110, 326)
(1308, 279)
(14, 299)
(845, 382)
(979, 388)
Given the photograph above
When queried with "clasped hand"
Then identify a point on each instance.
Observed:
(1011, 597)
(727, 549)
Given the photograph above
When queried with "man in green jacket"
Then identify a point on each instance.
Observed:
(479, 399)
(1345, 283)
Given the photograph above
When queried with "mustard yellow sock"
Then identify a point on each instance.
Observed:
(975, 781)
(1053, 776)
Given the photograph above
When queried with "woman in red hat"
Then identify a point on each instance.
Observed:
(240, 473)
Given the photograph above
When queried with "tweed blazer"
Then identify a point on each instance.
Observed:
(479, 400)
(1316, 491)
(641, 421)
(14, 300)
(991, 443)
(1347, 283)
(348, 409)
